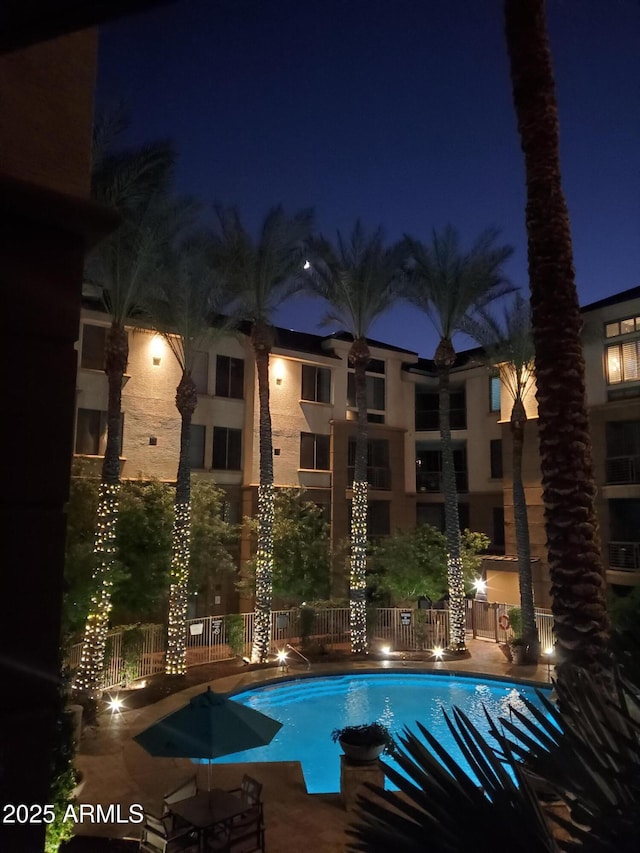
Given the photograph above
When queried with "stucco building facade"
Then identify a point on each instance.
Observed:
(313, 421)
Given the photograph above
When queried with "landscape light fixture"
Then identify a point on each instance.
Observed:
(116, 704)
(438, 652)
(385, 650)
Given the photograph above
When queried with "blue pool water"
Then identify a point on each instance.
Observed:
(310, 708)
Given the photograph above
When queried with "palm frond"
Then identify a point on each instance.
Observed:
(261, 273)
(359, 277)
(507, 342)
(449, 284)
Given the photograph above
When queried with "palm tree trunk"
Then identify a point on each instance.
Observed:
(359, 357)
(577, 575)
(457, 617)
(261, 336)
(176, 662)
(523, 547)
(88, 676)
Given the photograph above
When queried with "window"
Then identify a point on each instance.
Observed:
(93, 344)
(378, 469)
(494, 393)
(497, 539)
(196, 446)
(227, 449)
(378, 519)
(316, 384)
(433, 514)
(622, 327)
(200, 372)
(229, 377)
(623, 362)
(375, 396)
(495, 450)
(91, 432)
(314, 451)
(623, 452)
(429, 466)
(427, 404)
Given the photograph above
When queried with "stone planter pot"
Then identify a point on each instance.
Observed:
(360, 753)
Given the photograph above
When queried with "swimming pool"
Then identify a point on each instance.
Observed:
(310, 708)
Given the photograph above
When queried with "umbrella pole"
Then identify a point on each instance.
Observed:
(209, 775)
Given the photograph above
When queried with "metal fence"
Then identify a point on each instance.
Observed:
(139, 652)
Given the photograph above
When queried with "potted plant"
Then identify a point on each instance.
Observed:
(365, 742)
(517, 645)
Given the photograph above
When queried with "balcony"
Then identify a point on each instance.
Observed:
(431, 481)
(378, 477)
(623, 469)
(624, 556)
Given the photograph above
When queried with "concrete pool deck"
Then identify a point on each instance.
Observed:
(116, 770)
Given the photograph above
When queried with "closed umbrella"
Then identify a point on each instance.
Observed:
(209, 726)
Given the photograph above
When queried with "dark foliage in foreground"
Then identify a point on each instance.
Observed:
(583, 751)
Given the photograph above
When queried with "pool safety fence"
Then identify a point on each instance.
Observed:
(138, 652)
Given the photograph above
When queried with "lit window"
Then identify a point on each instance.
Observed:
(623, 362)
(622, 327)
(494, 394)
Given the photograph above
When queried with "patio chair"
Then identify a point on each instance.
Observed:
(242, 835)
(186, 789)
(250, 790)
(160, 835)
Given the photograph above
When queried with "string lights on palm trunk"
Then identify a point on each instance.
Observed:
(89, 674)
(358, 574)
(176, 663)
(264, 574)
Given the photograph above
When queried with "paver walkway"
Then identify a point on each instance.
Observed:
(116, 770)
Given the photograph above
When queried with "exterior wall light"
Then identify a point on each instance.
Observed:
(157, 349)
(278, 370)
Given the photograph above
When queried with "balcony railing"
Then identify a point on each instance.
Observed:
(624, 556)
(623, 469)
(377, 477)
(431, 481)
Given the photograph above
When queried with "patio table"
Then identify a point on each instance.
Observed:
(208, 808)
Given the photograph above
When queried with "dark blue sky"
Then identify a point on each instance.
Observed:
(397, 111)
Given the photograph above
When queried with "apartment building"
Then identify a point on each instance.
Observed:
(313, 414)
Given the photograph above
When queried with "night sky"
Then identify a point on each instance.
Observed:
(398, 112)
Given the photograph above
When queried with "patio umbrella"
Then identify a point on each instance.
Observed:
(209, 726)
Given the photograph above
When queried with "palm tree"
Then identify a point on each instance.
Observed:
(187, 303)
(134, 182)
(575, 564)
(259, 275)
(358, 278)
(449, 285)
(509, 346)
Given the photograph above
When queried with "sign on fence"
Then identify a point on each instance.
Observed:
(216, 626)
(282, 621)
(196, 629)
(405, 618)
